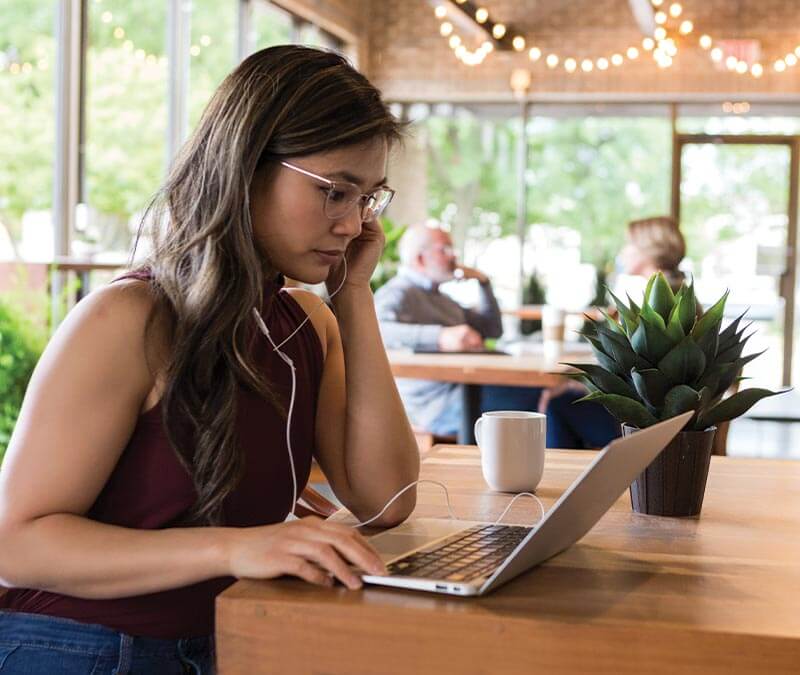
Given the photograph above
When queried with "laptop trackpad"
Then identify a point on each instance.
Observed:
(414, 534)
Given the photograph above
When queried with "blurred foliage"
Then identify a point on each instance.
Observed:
(21, 344)
(390, 258)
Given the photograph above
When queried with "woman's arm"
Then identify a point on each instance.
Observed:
(79, 411)
(364, 441)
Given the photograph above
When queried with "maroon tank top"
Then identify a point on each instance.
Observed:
(150, 489)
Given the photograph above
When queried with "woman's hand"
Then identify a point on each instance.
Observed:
(309, 548)
(362, 255)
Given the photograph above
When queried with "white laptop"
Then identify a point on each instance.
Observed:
(460, 557)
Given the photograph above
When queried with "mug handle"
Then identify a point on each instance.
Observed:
(477, 430)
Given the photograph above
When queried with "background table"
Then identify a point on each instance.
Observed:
(638, 594)
(473, 370)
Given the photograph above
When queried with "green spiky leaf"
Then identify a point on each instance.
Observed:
(687, 310)
(661, 298)
(684, 364)
(626, 410)
(735, 405)
(651, 386)
(709, 343)
(679, 400)
(710, 318)
(606, 382)
(651, 341)
(629, 316)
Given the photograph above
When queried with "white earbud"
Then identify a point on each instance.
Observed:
(288, 361)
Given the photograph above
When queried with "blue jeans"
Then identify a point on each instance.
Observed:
(40, 644)
(581, 426)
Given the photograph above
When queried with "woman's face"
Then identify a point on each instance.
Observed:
(287, 209)
(633, 259)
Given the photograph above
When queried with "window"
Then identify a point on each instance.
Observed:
(27, 128)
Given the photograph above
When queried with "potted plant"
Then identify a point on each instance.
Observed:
(660, 360)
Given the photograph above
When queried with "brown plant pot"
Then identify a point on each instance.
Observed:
(675, 482)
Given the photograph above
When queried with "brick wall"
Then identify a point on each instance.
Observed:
(409, 60)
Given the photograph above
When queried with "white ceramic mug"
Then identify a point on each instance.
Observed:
(512, 449)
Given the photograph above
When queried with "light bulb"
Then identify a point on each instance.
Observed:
(791, 59)
(488, 46)
(498, 31)
(780, 65)
(660, 33)
(616, 59)
(602, 63)
(534, 54)
(705, 41)
(741, 67)
(757, 70)
(587, 65)
(570, 65)
(518, 43)
(454, 41)
(440, 11)
(730, 62)
(446, 28)
(686, 27)
(648, 44)
(481, 14)
(632, 53)
(716, 54)
(660, 18)
(675, 9)
(551, 60)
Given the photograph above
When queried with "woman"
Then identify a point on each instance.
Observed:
(651, 245)
(151, 463)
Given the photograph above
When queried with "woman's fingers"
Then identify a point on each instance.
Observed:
(328, 559)
(353, 546)
(307, 571)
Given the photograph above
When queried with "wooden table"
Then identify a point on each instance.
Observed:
(638, 594)
(534, 312)
(473, 370)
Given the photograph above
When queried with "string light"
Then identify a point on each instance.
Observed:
(648, 44)
(481, 15)
(454, 41)
(706, 41)
(617, 59)
(587, 65)
(686, 27)
(440, 11)
(446, 28)
(602, 63)
(632, 53)
(570, 65)
(660, 33)
(675, 10)
(660, 18)
(534, 53)
(498, 31)
(756, 70)
(551, 60)
(518, 43)
(790, 59)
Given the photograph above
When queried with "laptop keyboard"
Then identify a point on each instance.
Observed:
(471, 554)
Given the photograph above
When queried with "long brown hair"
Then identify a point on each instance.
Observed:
(206, 269)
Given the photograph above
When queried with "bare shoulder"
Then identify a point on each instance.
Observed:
(322, 317)
(113, 318)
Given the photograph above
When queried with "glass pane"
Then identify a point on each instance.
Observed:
(472, 190)
(733, 214)
(126, 118)
(27, 128)
(269, 26)
(212, 51)
(588, 176)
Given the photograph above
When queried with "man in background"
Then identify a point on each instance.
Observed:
(414, 314)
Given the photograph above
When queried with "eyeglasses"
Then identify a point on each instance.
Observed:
(341, 196)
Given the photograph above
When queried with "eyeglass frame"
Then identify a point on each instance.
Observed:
(332, 186)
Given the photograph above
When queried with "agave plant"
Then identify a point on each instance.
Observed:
(660, 360)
